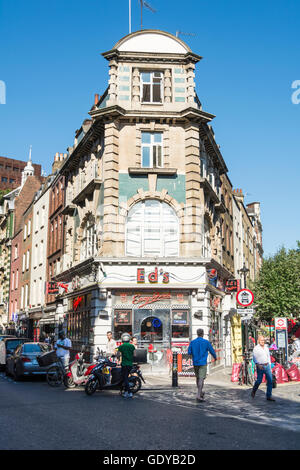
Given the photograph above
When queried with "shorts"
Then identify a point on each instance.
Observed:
(200, 372)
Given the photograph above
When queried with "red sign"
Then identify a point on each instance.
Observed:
(232, 285)
(76, 302)
(153, 276)
(245, 297)
(149, 299)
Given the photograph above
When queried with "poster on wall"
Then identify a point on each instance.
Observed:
(122, 317)
(179, 317)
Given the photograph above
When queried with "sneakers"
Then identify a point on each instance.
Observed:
(127, 395)
(130, 395)
(271, 399)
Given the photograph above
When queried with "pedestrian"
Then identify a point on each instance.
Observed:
(199, 349)
(111, 344)
(127, 350)
(296, 343)
(63, 346)
(134, 341)
(262, 359)
(273, 345)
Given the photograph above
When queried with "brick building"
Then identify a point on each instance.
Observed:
(11, 172)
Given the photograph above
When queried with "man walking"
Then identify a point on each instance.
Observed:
(262, 359)
(199, 349)
(126, 349)
(111, 344)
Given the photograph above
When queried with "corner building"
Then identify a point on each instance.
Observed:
(143, 226)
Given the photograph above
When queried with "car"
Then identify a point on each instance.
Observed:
(6, 336)
(7, 347)
(23, 362)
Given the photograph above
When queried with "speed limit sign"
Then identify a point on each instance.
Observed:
(245, 297)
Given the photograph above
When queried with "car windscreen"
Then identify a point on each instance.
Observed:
(30, 348)
(12, 344)
(35, 348)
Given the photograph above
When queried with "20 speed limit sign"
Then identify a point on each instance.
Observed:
(245, 297)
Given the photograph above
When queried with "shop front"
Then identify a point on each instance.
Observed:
(158, 319)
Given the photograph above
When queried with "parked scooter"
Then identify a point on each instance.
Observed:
(101, 380)
(79, 371)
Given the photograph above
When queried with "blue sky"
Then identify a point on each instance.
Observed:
(51, 63)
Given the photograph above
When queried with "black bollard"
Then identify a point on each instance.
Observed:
(175, 370)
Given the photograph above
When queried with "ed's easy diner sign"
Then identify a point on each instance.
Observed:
(154, 277)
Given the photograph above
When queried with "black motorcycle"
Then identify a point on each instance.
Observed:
(102, 379)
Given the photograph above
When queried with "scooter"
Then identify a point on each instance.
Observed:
(100, 379)
(79, 371)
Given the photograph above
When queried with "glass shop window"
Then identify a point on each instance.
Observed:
(122, 323)
(180, 323)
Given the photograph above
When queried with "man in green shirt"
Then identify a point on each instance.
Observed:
(126, 349)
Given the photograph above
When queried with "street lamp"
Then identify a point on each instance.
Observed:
(244, 271)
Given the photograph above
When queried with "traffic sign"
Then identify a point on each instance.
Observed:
(246, 317)
(245, 311)
(245, 297)
(281, 323)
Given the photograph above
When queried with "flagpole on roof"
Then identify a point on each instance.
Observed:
(129, 16)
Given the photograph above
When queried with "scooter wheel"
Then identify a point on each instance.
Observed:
(69, 382)
(135, 383)
(91, 386)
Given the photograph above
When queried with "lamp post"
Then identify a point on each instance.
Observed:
(244, 271)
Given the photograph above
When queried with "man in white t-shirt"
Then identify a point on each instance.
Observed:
(63, 346)
(262, 360)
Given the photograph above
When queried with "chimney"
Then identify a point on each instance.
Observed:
(96, 98)
(58, 161)
(238, 193)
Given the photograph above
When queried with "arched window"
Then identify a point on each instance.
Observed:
(152, 229)
(88, 246)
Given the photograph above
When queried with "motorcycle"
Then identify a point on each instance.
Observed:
(100, 379)
(79, 371)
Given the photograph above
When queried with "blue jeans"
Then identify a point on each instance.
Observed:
(268, 373)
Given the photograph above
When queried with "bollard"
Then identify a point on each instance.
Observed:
(175, 370)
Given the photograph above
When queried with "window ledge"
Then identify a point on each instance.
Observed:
(156, 171)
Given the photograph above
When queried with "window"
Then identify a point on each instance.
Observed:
(26, 296)
(11, 180)
(22, 297)
(25, 232)
(152, 229)
(206, 241)
(151, 87)
(152, 150)
(23, 262)
(27, 259)
(4, 179)
(29, 228)
(13, 281)
(17, 279)
(89, 240)
(15, 169)
(16, 251)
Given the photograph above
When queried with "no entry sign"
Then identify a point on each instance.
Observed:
(244, 297)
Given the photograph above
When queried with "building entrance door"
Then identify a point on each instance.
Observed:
(153, 328)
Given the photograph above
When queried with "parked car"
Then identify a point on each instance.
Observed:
(6, 336)
(24, 362)
(7, 347)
